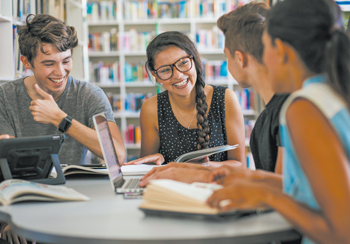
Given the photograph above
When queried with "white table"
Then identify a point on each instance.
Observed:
(109, 218)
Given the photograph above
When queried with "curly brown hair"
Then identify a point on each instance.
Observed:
(44, 28)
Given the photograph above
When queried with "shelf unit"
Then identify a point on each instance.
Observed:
(190, 24)
(76, 16)
(7, 62)
(75, 12)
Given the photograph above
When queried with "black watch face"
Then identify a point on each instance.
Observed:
(65, 124)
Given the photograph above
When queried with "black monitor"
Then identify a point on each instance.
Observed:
(31, 158)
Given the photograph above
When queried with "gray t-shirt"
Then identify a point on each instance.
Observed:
(80, 100)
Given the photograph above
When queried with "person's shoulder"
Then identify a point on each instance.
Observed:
(276, 103)
(280, 98)
(12, 86)
(150, 103)
(84, 88)
(149, 107)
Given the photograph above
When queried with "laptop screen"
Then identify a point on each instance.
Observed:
(107, 147)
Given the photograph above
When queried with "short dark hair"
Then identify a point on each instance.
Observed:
(243, 29)
(44, 28)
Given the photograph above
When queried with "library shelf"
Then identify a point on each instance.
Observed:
(130, 24)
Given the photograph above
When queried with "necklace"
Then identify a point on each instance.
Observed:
(188, 125)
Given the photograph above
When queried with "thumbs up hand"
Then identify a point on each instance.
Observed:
(46, 110)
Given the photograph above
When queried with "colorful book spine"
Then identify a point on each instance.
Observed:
(104, 42)
(104, 73)
(168, 10)
(133, 101)
(139, 10)
(210, 39)
(246, 99)
(101, 11)
(135, 72)
(132, 135)
(214, 69)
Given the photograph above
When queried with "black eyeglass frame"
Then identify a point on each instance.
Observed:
(172, 67)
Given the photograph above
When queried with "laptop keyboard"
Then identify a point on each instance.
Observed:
(132, 184)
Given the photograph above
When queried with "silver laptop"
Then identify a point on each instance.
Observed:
(119, 184)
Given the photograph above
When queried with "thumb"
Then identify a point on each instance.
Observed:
(41, 92)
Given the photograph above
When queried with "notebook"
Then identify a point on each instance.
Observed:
(119, 184)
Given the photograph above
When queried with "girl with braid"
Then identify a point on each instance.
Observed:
(189, 115)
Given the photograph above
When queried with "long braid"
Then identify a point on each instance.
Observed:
(202, 118)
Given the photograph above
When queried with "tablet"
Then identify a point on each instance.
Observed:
(29, 158)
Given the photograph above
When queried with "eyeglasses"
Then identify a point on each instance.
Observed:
(166, 72)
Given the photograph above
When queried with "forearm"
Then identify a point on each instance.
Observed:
(232, 163)
(272, 179)
(303, 218)
(88, 138)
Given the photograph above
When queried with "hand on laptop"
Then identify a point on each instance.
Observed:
(154, 158)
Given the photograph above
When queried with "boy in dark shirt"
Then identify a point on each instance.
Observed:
(243, 29)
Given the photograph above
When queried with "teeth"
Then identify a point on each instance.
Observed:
(181, 83)
(57, 80)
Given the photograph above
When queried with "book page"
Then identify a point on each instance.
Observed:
(199, 191)
(204, 152)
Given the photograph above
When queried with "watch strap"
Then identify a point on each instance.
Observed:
(65, 124)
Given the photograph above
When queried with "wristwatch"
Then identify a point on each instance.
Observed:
(65, 124)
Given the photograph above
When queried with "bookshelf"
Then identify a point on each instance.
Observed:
(119, 31)
(13, 14)
(7, 63)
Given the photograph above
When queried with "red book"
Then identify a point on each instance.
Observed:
(131, 133)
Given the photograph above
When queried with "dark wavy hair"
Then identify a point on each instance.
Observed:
(44, 28)
(314, 28)
(243, 29)
(180, 40)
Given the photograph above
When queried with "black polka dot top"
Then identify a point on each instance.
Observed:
(176, 140)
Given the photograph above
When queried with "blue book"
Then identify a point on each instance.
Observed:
(223, 69)
(182, 9)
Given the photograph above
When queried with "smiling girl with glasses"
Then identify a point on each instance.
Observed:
(189, 115)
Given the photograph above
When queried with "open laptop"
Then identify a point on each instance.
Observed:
(119, 184)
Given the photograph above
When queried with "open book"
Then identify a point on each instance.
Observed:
(14, 190)
(100, 169)
(94, 169)
(173, 198)
(204, 152)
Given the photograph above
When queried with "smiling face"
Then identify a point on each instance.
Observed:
(51, 70)
(181, 83)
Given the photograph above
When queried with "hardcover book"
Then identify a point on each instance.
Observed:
(178, 199)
